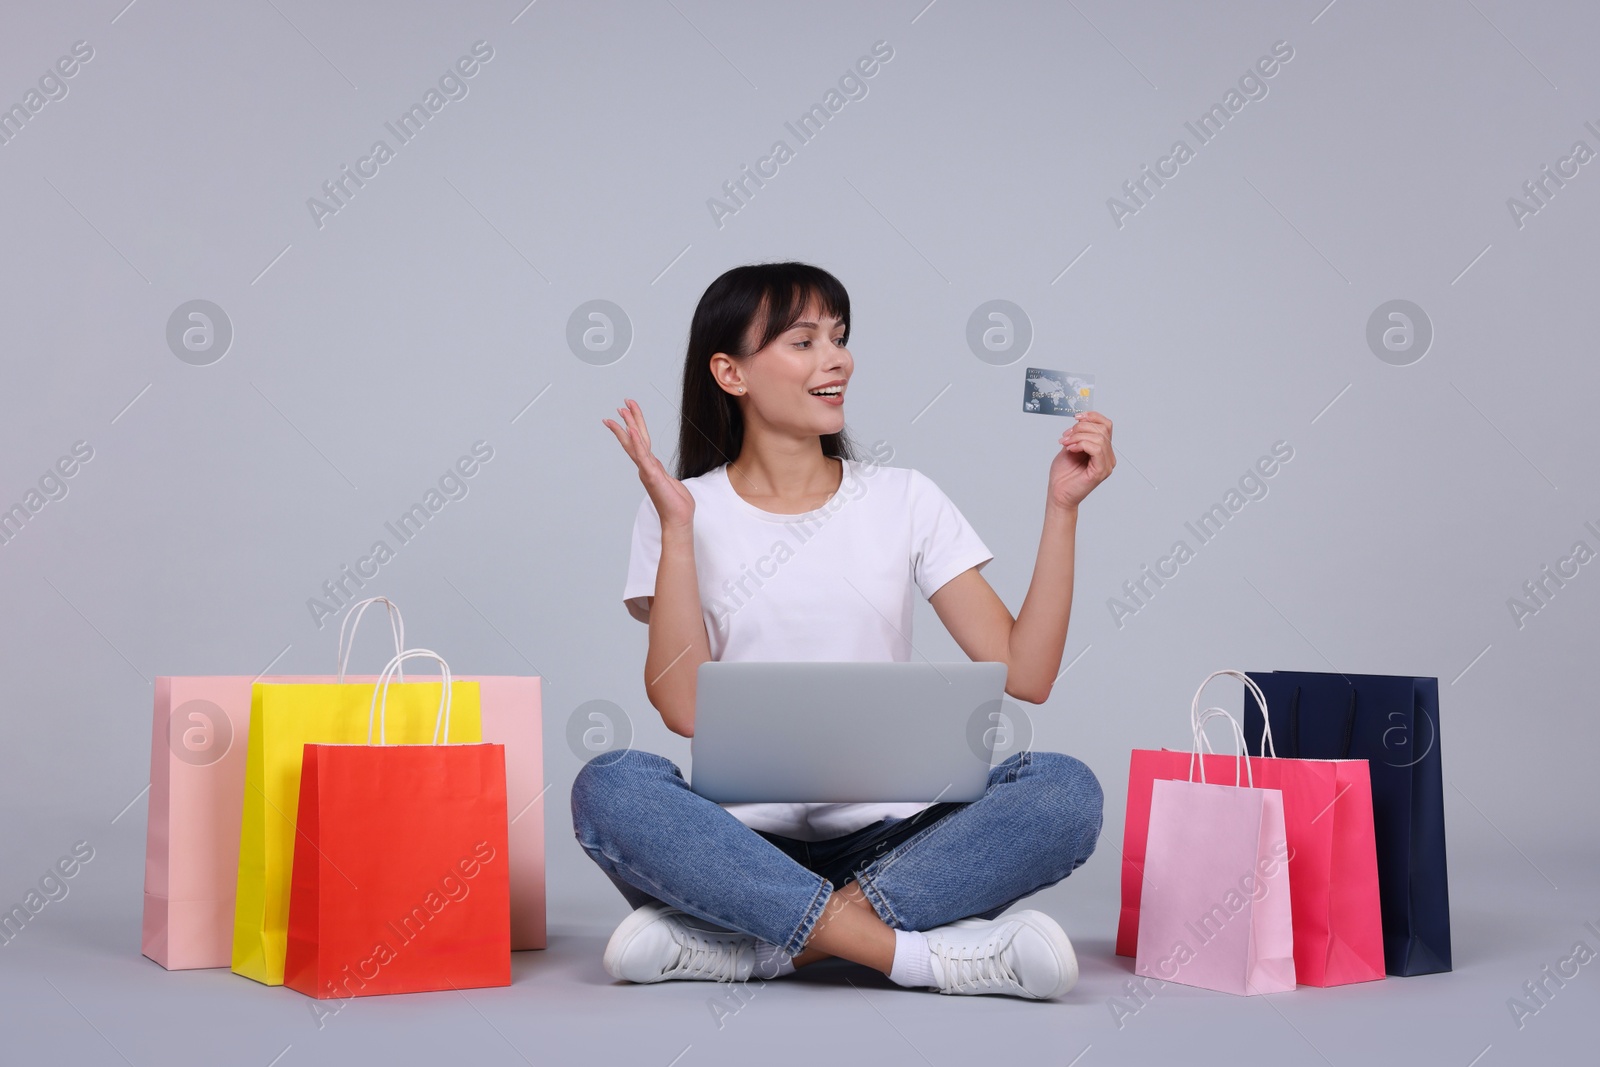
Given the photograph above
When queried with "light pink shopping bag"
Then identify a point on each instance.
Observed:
(200, 730)
(1215, 908)
(511, 717)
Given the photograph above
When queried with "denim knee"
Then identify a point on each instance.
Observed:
(608, 791)
(1072, 804)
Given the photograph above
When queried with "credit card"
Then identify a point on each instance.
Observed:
(1057, 392)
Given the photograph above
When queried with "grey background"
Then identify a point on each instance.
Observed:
(1228, 314)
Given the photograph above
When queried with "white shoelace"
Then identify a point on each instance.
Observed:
(705, 958)
(968, 967)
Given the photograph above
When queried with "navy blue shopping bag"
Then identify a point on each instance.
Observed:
(1392, 722)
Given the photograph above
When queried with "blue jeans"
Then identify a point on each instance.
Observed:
(1037, 822)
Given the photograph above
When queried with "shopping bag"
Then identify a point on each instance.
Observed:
(197, 786)
(197, 771)
(284, 717)
(1215, 909)
(1393, 723)
(1327, 804)
(400, 879)
(511, 718)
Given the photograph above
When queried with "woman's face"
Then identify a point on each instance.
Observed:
(781, 380)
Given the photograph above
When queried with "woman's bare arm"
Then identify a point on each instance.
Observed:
(1031, 644)
(678, 639)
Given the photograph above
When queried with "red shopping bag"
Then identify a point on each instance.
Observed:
(401, 881)
(1338, 929)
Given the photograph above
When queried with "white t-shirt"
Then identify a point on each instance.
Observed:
(831, 584)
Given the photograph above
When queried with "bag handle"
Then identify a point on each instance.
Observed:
(1294, 723)
(441, 722)
(1268, 748)
(1243, 773)
(352, 619)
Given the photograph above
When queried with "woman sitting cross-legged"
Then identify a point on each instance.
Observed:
(776, 542)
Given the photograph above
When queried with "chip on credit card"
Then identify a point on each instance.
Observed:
(1057, 392)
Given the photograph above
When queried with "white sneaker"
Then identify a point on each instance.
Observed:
(657, 943)
(1024, 954)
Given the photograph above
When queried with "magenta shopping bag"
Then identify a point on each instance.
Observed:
(1214, 907)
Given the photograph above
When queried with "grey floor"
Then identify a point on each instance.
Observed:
(75, 990)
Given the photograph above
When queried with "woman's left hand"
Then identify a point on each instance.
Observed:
(1085, 460)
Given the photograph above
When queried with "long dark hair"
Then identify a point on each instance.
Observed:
(711, 426)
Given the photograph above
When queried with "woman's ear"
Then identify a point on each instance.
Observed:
(725, 372)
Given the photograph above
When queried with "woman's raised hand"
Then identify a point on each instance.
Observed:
(673, 501)
(1085, 460)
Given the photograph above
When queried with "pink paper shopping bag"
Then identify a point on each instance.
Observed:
(201, 727)
(1215, 900)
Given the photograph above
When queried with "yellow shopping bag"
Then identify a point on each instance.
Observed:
(284, 717)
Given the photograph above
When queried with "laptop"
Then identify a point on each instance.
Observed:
(844, 732)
